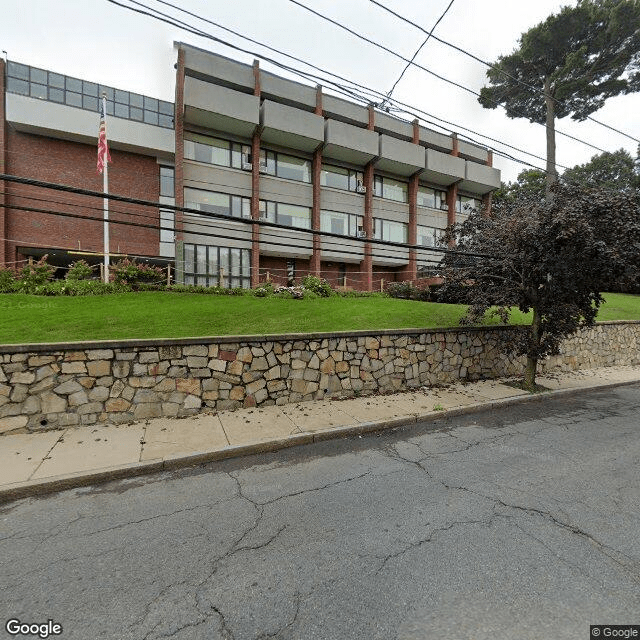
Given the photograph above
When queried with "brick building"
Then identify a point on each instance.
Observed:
(245, 148)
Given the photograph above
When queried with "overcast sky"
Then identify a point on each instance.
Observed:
(98, 41)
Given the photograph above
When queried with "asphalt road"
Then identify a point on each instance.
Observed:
(519, 523)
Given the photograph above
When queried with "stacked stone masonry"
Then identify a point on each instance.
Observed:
(53, 386)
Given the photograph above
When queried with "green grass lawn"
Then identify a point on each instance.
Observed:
(25, 318)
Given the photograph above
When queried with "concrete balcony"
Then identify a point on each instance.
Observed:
(219, 108)
(224, 232)
(288, 92)
(227, 72)
(399, 157)
(392, 126)
(385, 256)
(471, 151)
(63, 122)
(287, 243)
(290, 127)
(443, 169)
(345, 111)
(433, 139)
(341, 250)
(348, 143)
(479, 178)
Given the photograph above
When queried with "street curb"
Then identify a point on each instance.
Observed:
(33, 488)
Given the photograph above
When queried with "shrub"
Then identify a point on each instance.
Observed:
(318, 285)
(8, 283)
(81, 288)
(130, 272)
(407, 291)
(296, 292)
(34, 276)
(264, 290)
(79, 270)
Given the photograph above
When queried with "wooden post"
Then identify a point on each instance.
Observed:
(268, 276)
(168, 275)
(30, 261)
(221, 280)
(344, 281)
(102, 272)
(382, 285)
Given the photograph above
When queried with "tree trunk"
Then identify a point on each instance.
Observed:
(532, 363)
(552, 175)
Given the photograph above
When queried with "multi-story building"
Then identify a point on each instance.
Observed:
(273, 178)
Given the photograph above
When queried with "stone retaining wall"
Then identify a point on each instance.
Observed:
(52, 386)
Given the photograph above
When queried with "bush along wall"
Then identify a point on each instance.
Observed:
(54, 386)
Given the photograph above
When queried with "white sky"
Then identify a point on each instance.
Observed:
(98, 41)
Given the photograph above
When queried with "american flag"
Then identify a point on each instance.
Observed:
(103, 147)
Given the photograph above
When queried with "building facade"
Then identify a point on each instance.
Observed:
(273, 179)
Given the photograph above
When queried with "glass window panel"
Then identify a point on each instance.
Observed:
(224, 261)
(135, 114)
(108, 90)
(165, 107)
(18, 86)
(201, 281)
(189, 252)
(356, 179)
(165, 121)
(56, 80)
(221, 152)
(202, 152)
(56, 95)
(121, 110)
(16, 70)
(394, 190)
(236, 206)
(246, 263)
(235, 282)
(427, 198)
(334, 177)
(377, 228)
(167, 175)
(213, 265)
(271, 162)
(38, 91)
(291, 168)
(236, 156)
(136, 100)
(73, 99)
(294, 215)
(377, 186)
(201, 258)
(122, 96)
(73, 84)
(188, 279)
(150, 103)
(150, 117)
(110, 108)
(166, 224)
(90, 103)
(235, 262)
(89, 88)
(38, 75)
(337, 226)
(207, 201)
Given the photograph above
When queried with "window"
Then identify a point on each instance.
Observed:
(428, 236)
(345, 224)
(285, 166)
(432, 198)
(390, 189)
(55, 87)
(390, 230)
(211, 266)
(167, 175)
(218, 203)
(166, 226)
(290, 215)
(340, 178)
(467, 205)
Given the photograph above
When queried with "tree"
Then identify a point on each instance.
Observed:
(569, 65)
(530, 183)
(615, 170)
(553, 258)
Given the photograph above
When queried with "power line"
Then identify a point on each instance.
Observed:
(409, 109)
(395, 84)
(419, 66)
(491, 66)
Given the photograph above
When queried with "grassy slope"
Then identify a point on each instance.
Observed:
(147, 315)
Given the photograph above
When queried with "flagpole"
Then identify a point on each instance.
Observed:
(105, 204)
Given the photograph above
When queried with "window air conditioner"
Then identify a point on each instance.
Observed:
(361, 189)
(263, 167)
(247, 166)
(362, 234)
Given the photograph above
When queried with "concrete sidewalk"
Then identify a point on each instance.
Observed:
(55, 460)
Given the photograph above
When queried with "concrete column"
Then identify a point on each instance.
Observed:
(316, 166)
(410, 271)
(4, 245)
(486, 199)
(452, 191)
(366, 266)
(255, 188)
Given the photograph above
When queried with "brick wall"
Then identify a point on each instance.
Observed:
(74, 164)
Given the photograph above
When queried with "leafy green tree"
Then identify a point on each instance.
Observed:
(530, 183)
(569, 65)
(615, 170)
(553, 258)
